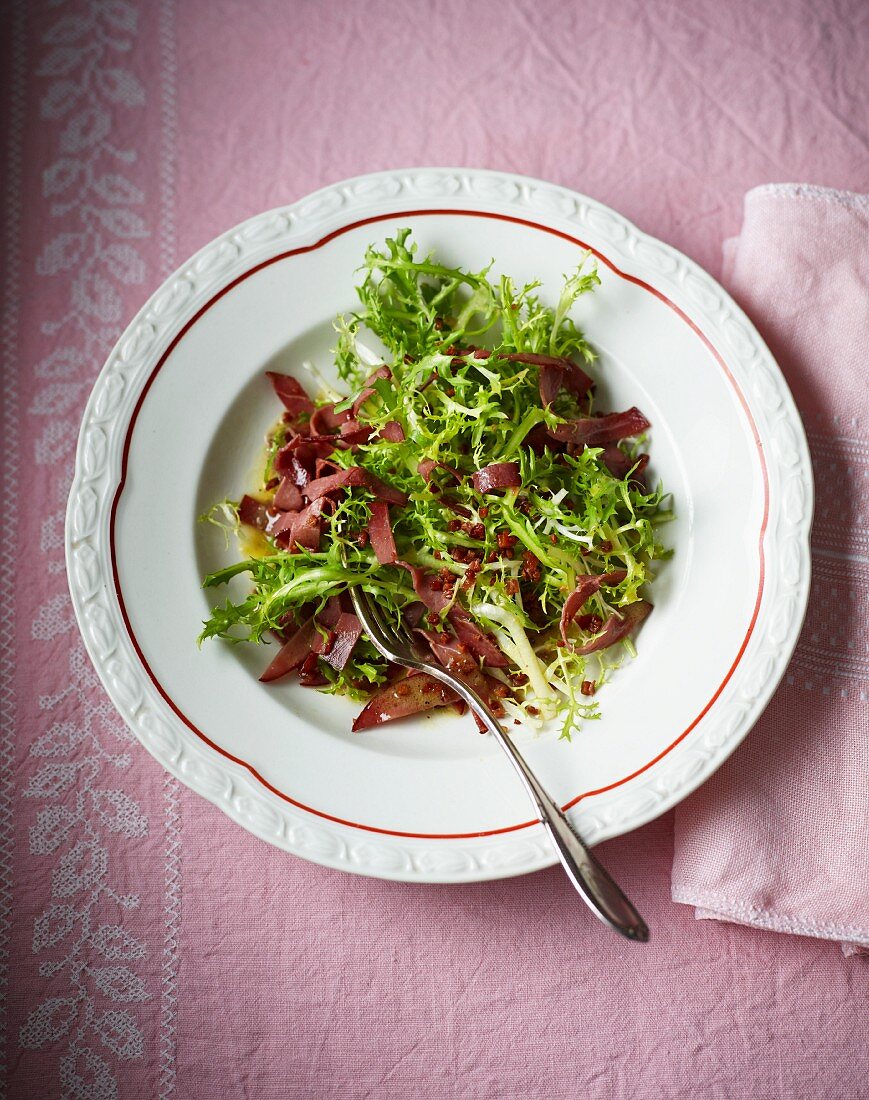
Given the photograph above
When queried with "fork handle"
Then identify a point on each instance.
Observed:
(593, 882)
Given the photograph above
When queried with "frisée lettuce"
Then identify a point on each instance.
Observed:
(467, 480)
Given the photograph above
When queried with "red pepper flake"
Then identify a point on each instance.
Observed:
(588, 687)
(530, 567)
(533, 711)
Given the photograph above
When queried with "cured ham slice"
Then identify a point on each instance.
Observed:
(585, 588)
(595, 431)
(497, 475)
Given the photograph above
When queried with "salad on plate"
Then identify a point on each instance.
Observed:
(468, 480)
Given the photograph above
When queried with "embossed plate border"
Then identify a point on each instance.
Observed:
(98, 465)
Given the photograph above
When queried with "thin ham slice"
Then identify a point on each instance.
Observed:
(292, 653)
(434, 599)
(280, 524)
(380, 533)
(476, 639)
(556, 373)
(347, 632)
(497, 475)
(352, 432)
(596, 431)
(308, 528)
(298, 456)
(449, 651)
(330, 614)
(538, 439)
(253, 512)
(411, 695)
(549, 384)
(426, 468)
(617, 627)
(413, 614)
(287, 496)
(291, 393)
(454, 506)
(585, 588)
(367, 389)
(312, 677)
(324, 466)
(392, 432)
(620, 465)
(325, 421)
(299, 529)
(355, 476)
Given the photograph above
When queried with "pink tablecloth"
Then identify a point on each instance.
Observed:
(147, 946)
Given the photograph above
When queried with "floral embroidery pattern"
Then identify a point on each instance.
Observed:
(92, 189)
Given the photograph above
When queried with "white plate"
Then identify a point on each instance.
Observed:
(175, 423)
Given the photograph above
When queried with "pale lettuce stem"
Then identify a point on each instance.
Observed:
(528, 660)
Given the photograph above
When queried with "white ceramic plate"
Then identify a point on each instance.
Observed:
(175, 422)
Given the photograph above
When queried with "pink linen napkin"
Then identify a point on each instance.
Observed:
(779, 837)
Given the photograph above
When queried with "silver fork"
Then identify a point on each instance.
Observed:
(596, 887)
